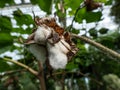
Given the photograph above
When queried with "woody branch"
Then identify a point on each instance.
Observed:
(98, 45)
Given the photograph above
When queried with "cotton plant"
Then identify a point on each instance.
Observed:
(50, 42)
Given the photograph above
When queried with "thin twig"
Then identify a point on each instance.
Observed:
(39, 75)
(80, 7)
(22, 65)
(93, 79)
(98, 45)
(11, 72)
(80, 73)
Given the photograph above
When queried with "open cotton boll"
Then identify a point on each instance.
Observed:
(41, 34)
(38, 51)
(57, 59)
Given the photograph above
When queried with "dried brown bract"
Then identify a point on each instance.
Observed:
(91, 5)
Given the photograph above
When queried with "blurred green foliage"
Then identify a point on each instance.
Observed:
(115, 11)
(89, 62)
(45, 5)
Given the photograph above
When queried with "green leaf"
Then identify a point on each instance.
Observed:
(93, 32)
(75, 31)
(88, 16)
(26, 82)
(22, 31)
(4, 2)
(101, 1)
(78, 60)
(107, 41)
(45, 5)
(5, 24)
(92, 16)
(71, 66)
(5, 48)
(103, 31)
(73, 4)
(109, 2)
(4, 66)
(5, 40)
(22, 18)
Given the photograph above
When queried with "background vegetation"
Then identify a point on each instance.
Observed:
(90, 69)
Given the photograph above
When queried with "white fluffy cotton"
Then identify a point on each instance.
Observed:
(38, 51)
(41, 34)
(57, 52)
(57, 58)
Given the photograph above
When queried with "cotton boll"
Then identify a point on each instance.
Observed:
(57, 59)
(38, 51)
(41, 34)
(62, 45)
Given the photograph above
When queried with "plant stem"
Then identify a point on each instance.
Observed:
(12, 72)
(22, 65)
(41, 76)
(82, 5)
(98, 45)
